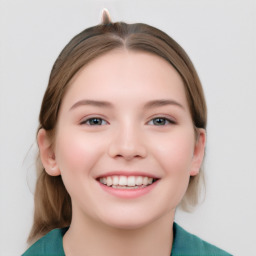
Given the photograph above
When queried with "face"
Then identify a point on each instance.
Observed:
(125, 143)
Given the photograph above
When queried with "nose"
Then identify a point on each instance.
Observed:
(127, 143)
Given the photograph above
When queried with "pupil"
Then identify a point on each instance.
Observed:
(159, 121)
(96, 121)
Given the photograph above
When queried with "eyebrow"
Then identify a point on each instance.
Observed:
(95, 103)
(105, 104)
(162, 102)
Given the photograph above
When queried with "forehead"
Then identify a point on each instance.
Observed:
(128, 76)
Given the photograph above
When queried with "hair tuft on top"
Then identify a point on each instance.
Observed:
(105, 17)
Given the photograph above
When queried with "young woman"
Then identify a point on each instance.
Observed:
(121, 138)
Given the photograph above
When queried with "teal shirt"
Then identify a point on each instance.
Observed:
(184, 244)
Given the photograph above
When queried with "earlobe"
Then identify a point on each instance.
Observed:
(47, 154)
(198, 155)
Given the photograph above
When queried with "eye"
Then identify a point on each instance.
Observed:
(94, 121)
(160, 121)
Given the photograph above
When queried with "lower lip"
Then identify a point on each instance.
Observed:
(128, 193)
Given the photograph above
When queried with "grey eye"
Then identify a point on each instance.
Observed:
(94, 121)
(160, 121)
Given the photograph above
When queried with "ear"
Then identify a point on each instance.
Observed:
(198, 155)
(47, 154)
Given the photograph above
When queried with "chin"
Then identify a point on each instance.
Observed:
(130, 220)
(127, 224)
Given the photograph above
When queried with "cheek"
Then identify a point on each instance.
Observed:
(175, 157)
(76, 152)
(175, 152)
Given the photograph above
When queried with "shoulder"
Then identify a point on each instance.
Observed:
(188, 244)
(50, 244)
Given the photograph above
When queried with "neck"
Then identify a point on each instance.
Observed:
(89, 238)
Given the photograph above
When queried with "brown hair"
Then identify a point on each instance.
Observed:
(52, 201)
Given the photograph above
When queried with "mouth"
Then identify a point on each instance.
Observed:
(126, 182)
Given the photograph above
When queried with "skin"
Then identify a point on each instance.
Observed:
(127, 138)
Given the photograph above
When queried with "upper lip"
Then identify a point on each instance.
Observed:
(127, 173)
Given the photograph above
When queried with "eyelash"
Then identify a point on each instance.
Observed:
(167, 121)
(87, 121)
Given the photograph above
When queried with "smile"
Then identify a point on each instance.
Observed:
(126, 182)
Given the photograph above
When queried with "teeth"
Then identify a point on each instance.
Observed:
(103, 181)
(139, 180)
(115, 180)
(123, 181)
(130, 181)
(109, 181)
(145, 181)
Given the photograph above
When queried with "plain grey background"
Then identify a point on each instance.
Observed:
(220, 38)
